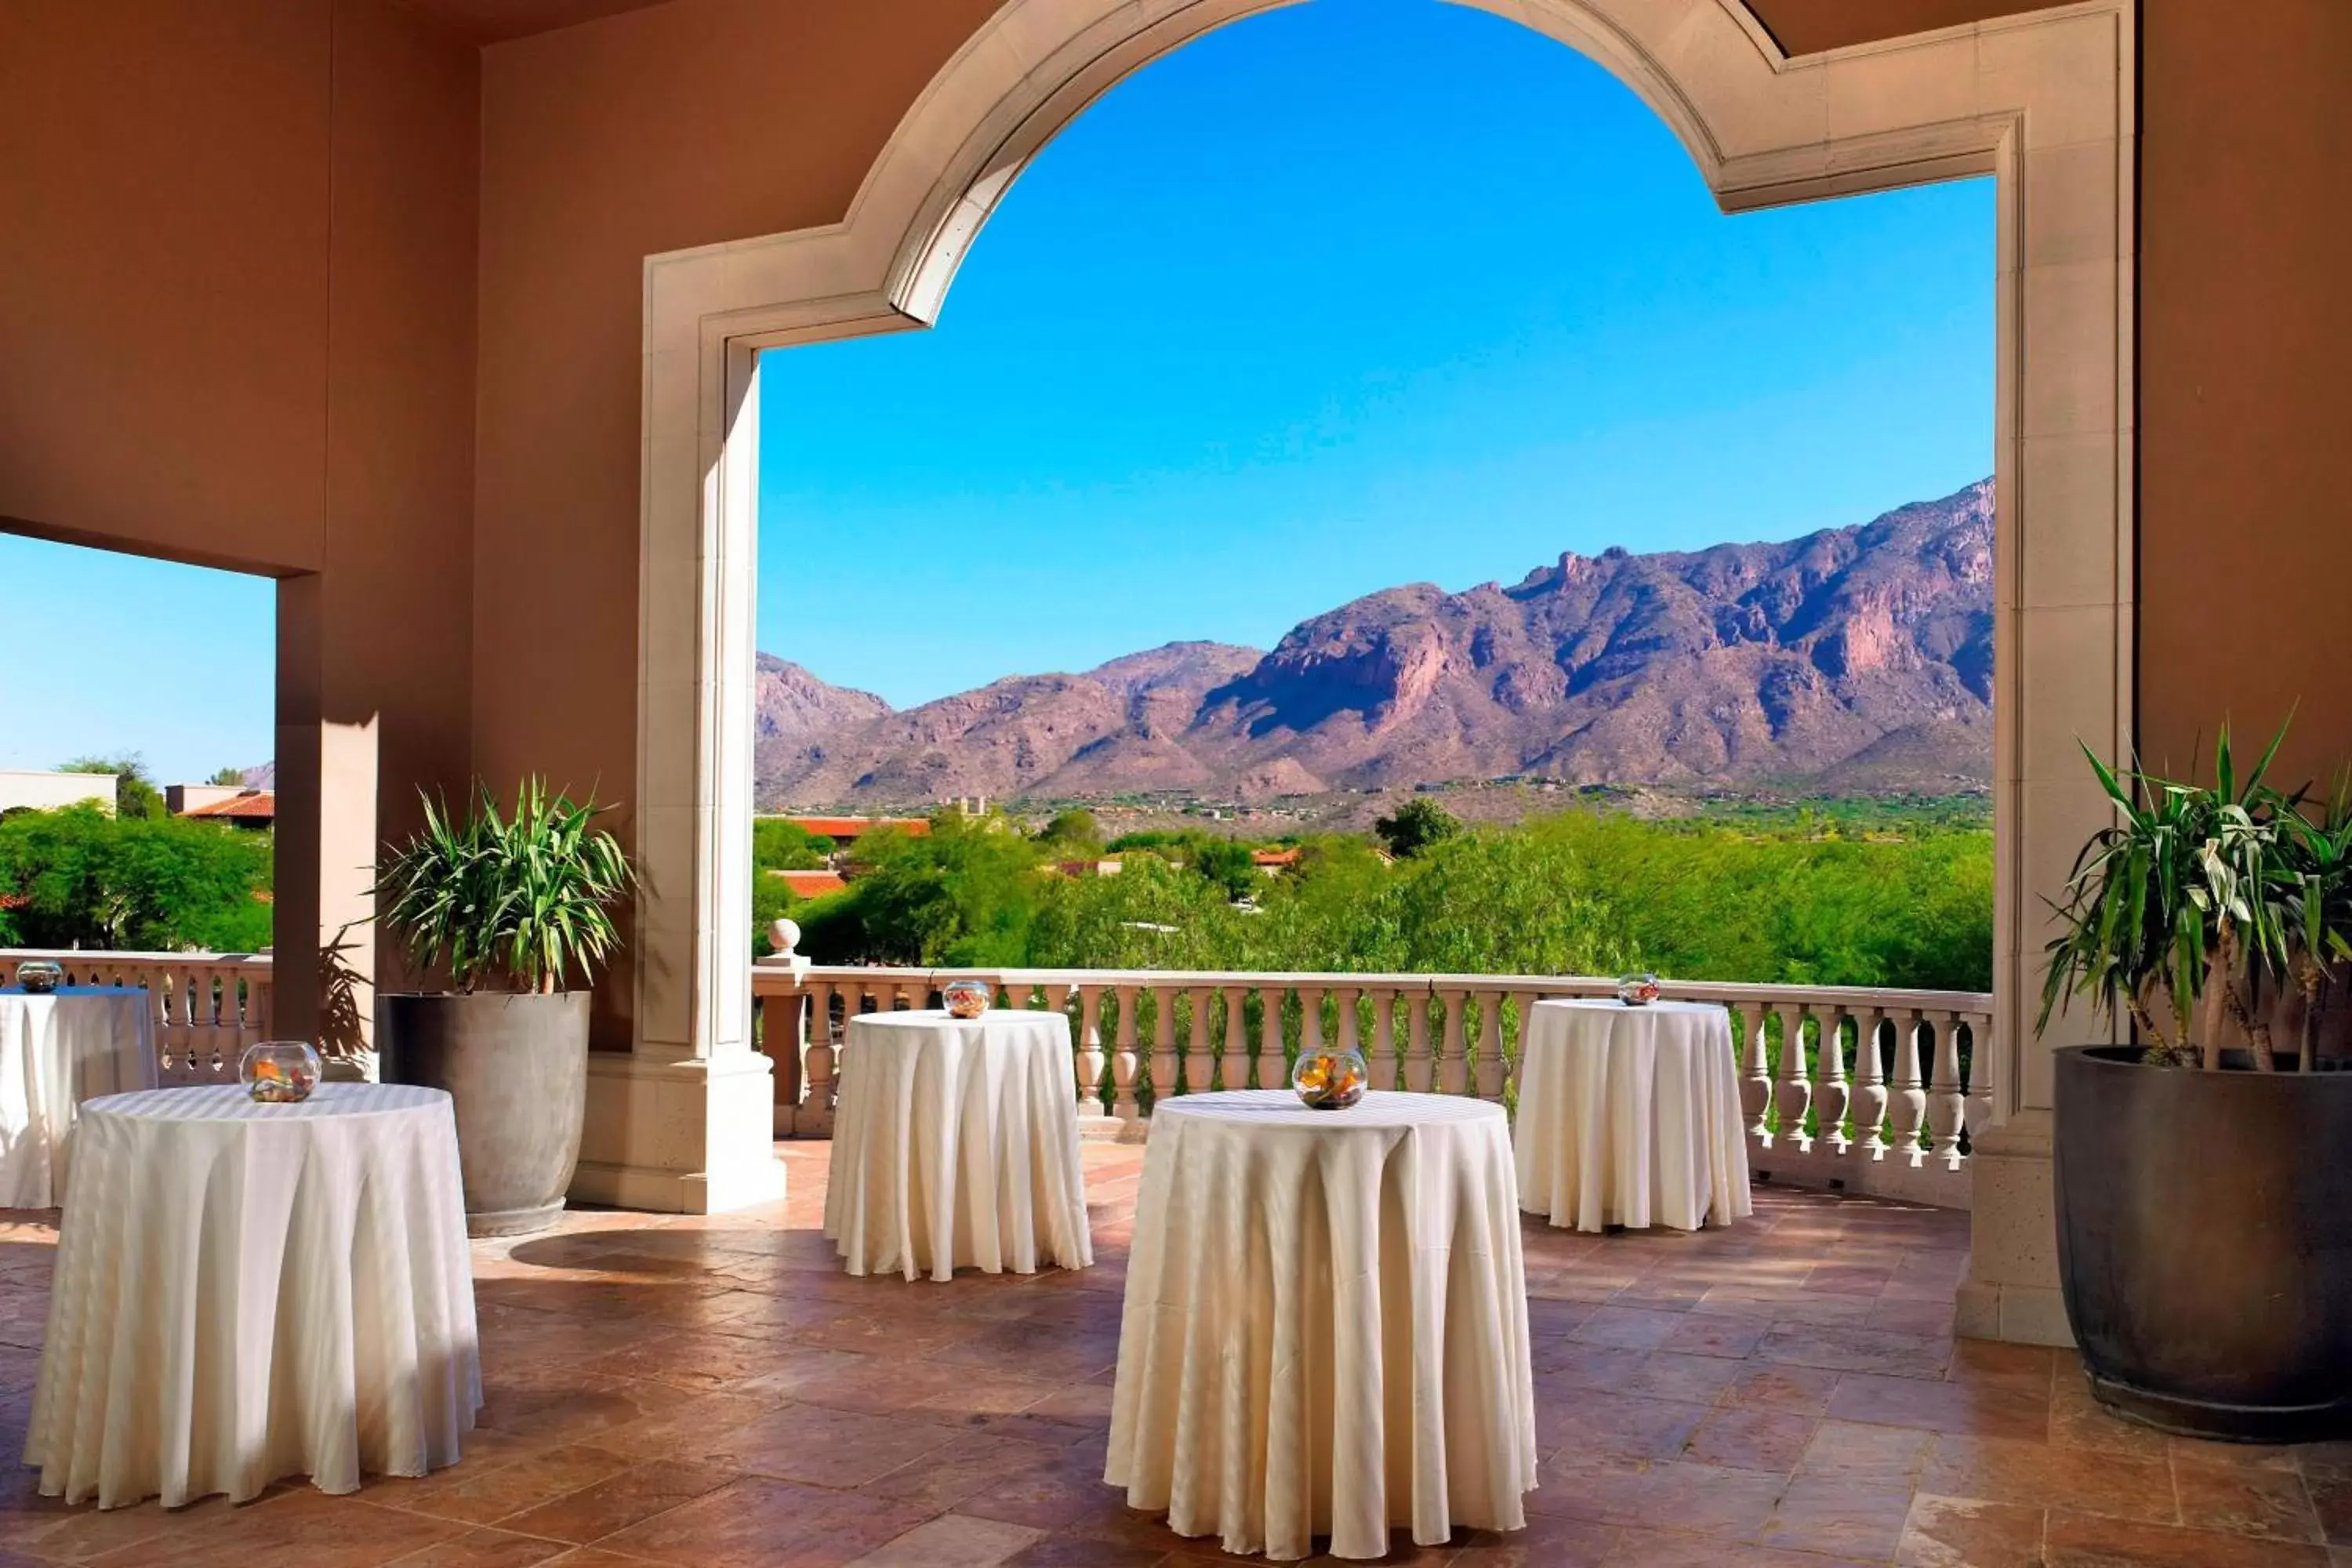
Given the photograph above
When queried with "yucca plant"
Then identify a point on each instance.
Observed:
(2194, 900)
(525, 898)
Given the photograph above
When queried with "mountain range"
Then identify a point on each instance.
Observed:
(1852, 660)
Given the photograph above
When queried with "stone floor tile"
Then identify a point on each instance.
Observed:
(1994, 1409)
(1627, 1328)
(2091, 1541)
(1967, 1533)
(2246, 1500)
(757, 1522)
(953, 1540)
(618, 1501)
(820, 1446)
(1839, 1519)
(2006, 1469)
(485, 1548)
(1748, 1438)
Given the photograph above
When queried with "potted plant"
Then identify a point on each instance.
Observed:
(516, 913)
(2204, 1202)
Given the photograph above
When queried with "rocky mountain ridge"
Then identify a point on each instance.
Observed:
(1851, 660)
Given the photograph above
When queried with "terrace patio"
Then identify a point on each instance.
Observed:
(708, 1391)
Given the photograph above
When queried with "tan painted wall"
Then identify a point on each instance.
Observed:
(236, 327)
(693, 122)
(2246, 345)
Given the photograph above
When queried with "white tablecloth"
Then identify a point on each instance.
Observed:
(955, 1144)
(1630, 1116)
(245, 1291)
(56, 1051)
(1325, 1326)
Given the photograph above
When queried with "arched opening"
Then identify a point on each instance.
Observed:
(2042, 102)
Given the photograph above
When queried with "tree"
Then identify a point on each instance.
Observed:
(135, 794)
(780, 844)
(77, 877)
(1417, 824)
(233, 778)
(1075, 830)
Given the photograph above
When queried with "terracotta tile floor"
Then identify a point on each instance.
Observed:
(706, 1392)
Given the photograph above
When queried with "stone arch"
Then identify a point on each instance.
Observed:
(2041, 102)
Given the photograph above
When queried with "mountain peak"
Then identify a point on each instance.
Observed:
(1858, 657)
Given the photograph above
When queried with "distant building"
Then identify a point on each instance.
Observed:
(49, 791)
(231, 803)
(842, 829)
(1108, 865)
(810, 883)
(1273, 859)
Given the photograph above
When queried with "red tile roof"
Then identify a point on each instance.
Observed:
(253, 806)
(848, 827)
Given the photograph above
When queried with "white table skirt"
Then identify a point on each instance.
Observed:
(955, 1144)
(1630, 1116)
(244, 1292)
(1326, 1324)
(56, 1051)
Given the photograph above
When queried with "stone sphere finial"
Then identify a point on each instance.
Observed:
(783, 935)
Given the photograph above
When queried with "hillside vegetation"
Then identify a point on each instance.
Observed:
(1799, 897)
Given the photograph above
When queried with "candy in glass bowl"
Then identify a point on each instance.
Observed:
(40, 976)
(965, 998)
(279, 1072)
(1330, 1080)
(1637, 990)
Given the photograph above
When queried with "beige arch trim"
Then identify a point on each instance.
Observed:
(2044, 101)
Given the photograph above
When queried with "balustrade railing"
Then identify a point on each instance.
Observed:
(1867, 1091)
(207, 1006)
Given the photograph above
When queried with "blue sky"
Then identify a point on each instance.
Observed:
(1352, 294)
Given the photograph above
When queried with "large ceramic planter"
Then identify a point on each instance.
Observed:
(2205, 1243)
(517, 1066)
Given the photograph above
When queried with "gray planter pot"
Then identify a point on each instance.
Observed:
(517, 1066)
(2205, 1243)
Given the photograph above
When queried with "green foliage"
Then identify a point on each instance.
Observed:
(78, 878)
(1577, 893)
(526, 897)
(228, 777)
(135, 794)
(1073, 833)
(2202, 893)
(1417, 825)
(779, 844)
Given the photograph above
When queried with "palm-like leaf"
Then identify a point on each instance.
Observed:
(528, 896)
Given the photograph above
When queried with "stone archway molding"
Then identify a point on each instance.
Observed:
(2043, 103)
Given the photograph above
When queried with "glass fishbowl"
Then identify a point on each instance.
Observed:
(966, 998)
(1330, 1080)
(1637, 990)
(279, 1072)
(40, 976)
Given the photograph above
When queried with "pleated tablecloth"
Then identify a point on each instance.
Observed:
(56, 1051)
(244, 1292)
(1630, 1116)
(955, 1144)
(1326, 1324)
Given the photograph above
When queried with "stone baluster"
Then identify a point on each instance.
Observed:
(1234, 1066)
(814, 1117)
(1351, 1036)
(1794, 1095)
(1311, 1019)
(1870, 1084)
(1089, 1050)
(1831, 1093)
(1383, 1053)
(1945, 1099)
(1270, 1065)
(1197, 1058)
(1420, 1065)
(1908, 1103)
(1163, 1043)
(1755, 1074)
(1452, 1051)
(1977, 1109)
(1490, 1045)
(1124, 1065)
